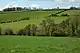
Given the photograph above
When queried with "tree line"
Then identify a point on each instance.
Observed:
(10, 21)
(30, 9)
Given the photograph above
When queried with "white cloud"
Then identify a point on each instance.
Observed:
(70, 0)
(13, 4)
(35, 5)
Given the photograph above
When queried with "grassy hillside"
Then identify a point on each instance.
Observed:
(32, 14)
(18, 15)
(11, 44)
(71, 12)
(19, 25)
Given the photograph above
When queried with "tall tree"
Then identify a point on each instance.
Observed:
(27, 29)
(34, 28)
(48, 26)
(8, 31)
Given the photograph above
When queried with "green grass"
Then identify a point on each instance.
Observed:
(71, 12)
(19, 25)
(25, 44)
(23, 14)
(15, 26)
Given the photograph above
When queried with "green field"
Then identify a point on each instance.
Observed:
(18, 15)
(25, 44)
(71, 12)
(31, 14)
(15, 26)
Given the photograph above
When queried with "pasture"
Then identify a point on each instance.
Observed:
(26, 44)
(15, 15)
(15, 26)
(31, 14)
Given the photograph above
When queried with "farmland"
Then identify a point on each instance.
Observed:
(36, 44)
(23, 14)
(23, 44)
(41, 15)
(15, 15)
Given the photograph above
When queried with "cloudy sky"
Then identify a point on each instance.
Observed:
(42, 3)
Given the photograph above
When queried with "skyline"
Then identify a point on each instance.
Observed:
(41, 3)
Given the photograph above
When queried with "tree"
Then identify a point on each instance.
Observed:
(72, 25)
(63, 27)
(21, 32)
(48, 25)
(43, 25)
(27, 29)
(34, 28)
(76, 24)
(8, 31)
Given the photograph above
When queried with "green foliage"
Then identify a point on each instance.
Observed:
(27, 29)
(34, 29)
(61, 25)
(21, 32)
(51, 15)
(27, 18)
(64, 14)
(8, 31)
(48, 26)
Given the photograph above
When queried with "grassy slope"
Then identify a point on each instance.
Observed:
(23, 14)
(71, 12)
(32, 14)
(19, 25)
(11, 44)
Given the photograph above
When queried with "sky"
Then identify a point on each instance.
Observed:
(42, 3)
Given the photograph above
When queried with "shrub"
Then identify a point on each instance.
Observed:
(19, 20)
(9, 21)
(36, 17)
(51, 15)
(27, 18)
(55, 15)
(64, 15)
(2, 22)
(21, 32)
(14, 20)
(8, 31)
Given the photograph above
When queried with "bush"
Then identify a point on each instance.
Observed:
(9, 21)
(2, 22)
(64, 15)
(8, 31)
(14, 20)
(51, 15)
(60, 35)
(55, 15)
(36, 17)
(21, 32)
(27, 18)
